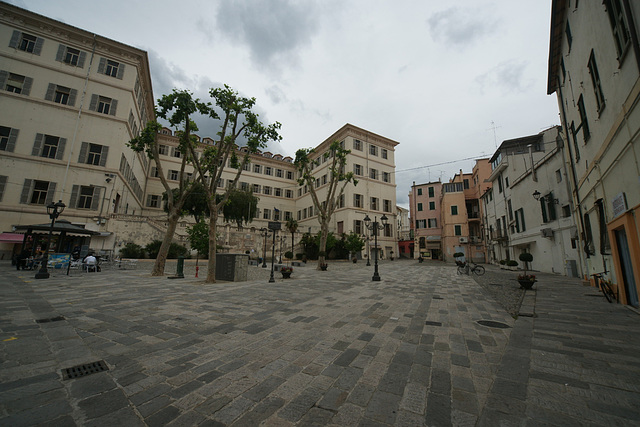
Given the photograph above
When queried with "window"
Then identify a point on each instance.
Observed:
(341, 201)
(454, 210)
(268, 170)
(279, 173)
(266, 190)
(103, 105)
(51, 147)
(419, 207)
(387, 230)
(153, 201)
(373, 173)
(3, 184)
(85, 197)
(111, 68)
(357, 144)
(26, 42)
(595, 80)
(458, 230)
(619, 26)
(289, 175)
(276, 214)
(384, 153)
(373, 202)
(37, 192)
(175, 152)
(163, 149)
(433, 223)
(583, 118)
(386, 177)
(567, 31)
(15, 83)
(357, 226)
(173, 175)
(386, 204)
(266, 213)
(605, 244)
(70, 56)
(419, 191)
(287, 215)
(548, 208)
(558, 175)
(520, 225)
(93, 154)
(257, 168)
(373, 150)
(431, 192)
(8, 137)
(465, 183)
(432, 206)
(277, 192)
(357, 169)
(154, 172)
(61, 94)
(500, 184)
(288, 194)
(421, 223)
(357, 201)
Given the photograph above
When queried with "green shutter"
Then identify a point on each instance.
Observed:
(51, 191)
(74, 196)
(72, 97)
(95, 200)
(543, 208)
(102, 65)
(93, 105)
(81, 59)
(103, 155)
(61, 50)
(84, 147)
(11, 143)
(26, 88)
(38, 47)
(60, 151)
(37, 145)
(15, 39)
(26, 190)
(51, 89)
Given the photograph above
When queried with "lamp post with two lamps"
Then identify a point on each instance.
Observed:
(374, 227)
(264, 232)
(54, 210)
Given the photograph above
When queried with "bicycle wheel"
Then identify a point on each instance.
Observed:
(607, 291)
(460, 269)
(479, 270)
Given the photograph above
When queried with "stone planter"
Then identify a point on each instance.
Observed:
(324, 267)
(526, 284)
(286, 274)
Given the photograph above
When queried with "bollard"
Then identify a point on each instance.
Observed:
(180, 270)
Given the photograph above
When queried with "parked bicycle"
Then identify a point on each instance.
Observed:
(465, 268)
(605, 286)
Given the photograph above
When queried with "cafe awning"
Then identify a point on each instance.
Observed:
(11, 238)
(61, 226)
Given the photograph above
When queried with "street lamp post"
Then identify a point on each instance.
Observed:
(273, 226)
(54, 210)
(264, 232)
(368, 238)
(374, 227)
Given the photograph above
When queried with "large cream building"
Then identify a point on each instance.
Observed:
(70, 100)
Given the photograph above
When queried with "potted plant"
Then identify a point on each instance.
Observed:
(526, 280)
(458, 255)
(288, 255)
(512, 264)
(503, 263)
(354, 259)
(391, 257)
(286, 272)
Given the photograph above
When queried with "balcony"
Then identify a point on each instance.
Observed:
(499, 235)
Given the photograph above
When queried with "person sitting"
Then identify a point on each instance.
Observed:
(91, 262)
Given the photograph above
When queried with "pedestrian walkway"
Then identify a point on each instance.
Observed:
(424, 346)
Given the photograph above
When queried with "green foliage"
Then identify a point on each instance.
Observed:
(289, 255)
(458, 254)
(175, 250)
(241, 206)
(512, 263)
(199, 238)
(299, 257)
(131, 250)
(503, 261)
(526, 257)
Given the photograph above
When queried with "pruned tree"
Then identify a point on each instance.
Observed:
(241, 207)
(325, 198)
(177, 108)
(292, 226)
(237, 121)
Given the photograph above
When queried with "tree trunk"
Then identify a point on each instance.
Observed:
(161, 259)
(324, 232)
(211, 264)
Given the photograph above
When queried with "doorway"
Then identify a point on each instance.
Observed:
(628, 279)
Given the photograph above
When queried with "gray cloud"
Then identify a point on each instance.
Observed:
(273, 30)
(460, 27)
(509, 76)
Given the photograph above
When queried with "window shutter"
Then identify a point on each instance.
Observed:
(93, 105)
(120, 71)
(26, 190)
(103, 155)
(26, 89)
(37, 145)
(60, 151)
(3, 182)
(13, 136)
(81, 59)
(73, 94)
(544, 210)
(114, 106)
(73, 202)
(552, 207)
(3, 79)
(15, 38)
(95, 200)
(102, 65)
(50, 91)
(38, 47)
(84, 147)
(148, 200)
(51, 191)
(61, 50)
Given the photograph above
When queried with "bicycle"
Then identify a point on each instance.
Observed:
(465, 268)
(605, 286)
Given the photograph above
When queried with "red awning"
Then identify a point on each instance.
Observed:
(11, 238)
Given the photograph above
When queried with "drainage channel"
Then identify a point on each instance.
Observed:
(84, 370)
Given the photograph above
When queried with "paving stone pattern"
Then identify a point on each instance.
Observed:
(321, 348)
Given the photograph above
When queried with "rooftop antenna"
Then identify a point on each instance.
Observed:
(495, 138)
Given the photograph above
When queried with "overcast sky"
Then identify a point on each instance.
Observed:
(448, 80)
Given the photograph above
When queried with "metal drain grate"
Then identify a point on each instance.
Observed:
(84, 370)
(52, 319)
(430, 323)
(493, 324)
(437, 297)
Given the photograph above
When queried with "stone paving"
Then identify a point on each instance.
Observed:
(321, 348)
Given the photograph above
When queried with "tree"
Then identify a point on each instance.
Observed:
(332, 192)
(237, 120)
(292, 226)
(241, 206)
(199, 237)
(177, 108)
(354, 242)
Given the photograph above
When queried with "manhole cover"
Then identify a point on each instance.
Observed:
(52, 319)
(493, 324)
(430, 323)
(84, 370)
